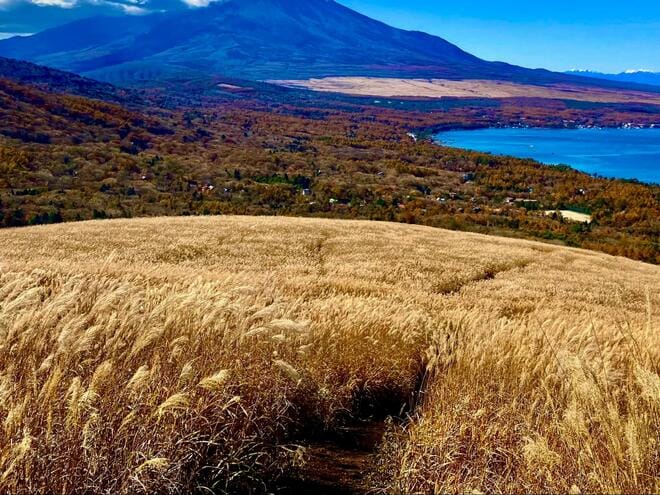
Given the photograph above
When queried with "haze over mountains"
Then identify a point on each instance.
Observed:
(259, 40)
(629, 76)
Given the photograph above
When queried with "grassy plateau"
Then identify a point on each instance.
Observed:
(178, 355)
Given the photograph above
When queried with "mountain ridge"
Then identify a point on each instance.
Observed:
(57, 81)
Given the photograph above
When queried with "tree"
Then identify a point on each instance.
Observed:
(11, 160)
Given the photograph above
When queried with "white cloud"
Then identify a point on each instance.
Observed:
(4, 36)
(64, 4)
(199, 3)
(132, 9)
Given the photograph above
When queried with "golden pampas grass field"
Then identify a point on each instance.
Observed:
(182, 355)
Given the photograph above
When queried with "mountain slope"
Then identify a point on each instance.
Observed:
(32, 115)
(54, 108)
(236, 38)
(58, 81)
(260, 39)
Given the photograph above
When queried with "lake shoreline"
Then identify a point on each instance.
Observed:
(604, 152)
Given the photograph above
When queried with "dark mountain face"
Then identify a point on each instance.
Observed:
(258, 40)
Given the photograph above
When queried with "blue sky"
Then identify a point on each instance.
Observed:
(605, 35)
(560, 34)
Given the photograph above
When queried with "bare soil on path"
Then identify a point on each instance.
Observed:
(339, 464)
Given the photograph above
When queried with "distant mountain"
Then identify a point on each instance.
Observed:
(259, 40)
(630, 76)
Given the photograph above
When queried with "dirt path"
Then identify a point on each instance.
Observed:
(338, 465)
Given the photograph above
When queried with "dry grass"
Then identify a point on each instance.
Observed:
(166, 355)
(442, 88)
(572, 216)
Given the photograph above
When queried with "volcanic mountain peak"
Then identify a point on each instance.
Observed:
(259, 40)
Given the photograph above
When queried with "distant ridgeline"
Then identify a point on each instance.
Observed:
(633, 76)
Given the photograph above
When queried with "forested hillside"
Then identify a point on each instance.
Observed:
(68, 158)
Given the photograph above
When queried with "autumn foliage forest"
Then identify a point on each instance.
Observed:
(249, 150)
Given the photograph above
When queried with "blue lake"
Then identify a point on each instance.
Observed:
(620, 153)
